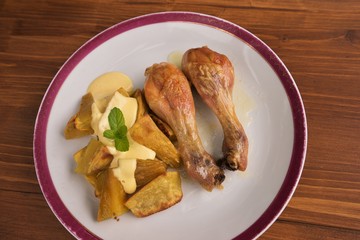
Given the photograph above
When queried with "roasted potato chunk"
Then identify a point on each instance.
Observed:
(91, 179)
(145, 132)
(79, 125)
(72, 132)
(160, 194)
(123, 92)
(95, 179)
(93, 158)
(142, 106)
(99, 181)
(112, 197)
(147, 170)
(83, 117)
(164, 127)
(144, 109)
(78, 156)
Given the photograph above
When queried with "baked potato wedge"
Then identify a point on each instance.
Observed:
(112, 196)
(93, 158)
(78, 156)
(97, 181)
(145, 132)
(164, 127)
(123, 92)
(144, 109)
(142, 105)
(91, 179)
(160, 194)
(79, 125)
(147, 170)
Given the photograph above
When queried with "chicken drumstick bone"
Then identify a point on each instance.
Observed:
(212, 74)
(168, 94)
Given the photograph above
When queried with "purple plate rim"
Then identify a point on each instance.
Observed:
(298, 112)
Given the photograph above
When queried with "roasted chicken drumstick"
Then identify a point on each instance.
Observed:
(168, 94)
(212, 74)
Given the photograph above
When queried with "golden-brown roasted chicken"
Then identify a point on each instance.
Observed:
(168, 94)
(212, 74)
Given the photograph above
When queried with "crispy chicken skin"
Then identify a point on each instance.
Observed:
(212, 74)
(169, 96)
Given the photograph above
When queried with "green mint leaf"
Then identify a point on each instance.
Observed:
(116, 119)
(118, 130)
(117, 135)
(109, 134)
(122, 144)
(122, 131)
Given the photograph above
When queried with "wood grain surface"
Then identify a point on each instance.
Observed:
(319, 41)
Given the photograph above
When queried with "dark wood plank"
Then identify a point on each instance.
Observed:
(289, 230)
(27, 216)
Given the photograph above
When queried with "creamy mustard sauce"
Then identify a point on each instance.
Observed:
(125, 173)
(124, 163)
(100, 122)
(104, 86)
(136, 151)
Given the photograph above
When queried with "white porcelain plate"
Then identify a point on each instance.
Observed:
(267, 102)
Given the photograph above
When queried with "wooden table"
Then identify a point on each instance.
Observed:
(319, 41)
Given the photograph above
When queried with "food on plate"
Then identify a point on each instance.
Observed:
(141, 137)
(142, 106)
(145, 132)
(144, 109)
(168, 94)
(117, 161)
(79, 125)
(102, 88)
(100, 119)
(212, 74)
(93, 158)
(112, 196)
(147, 170)
(160, 194)
(164, 127)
